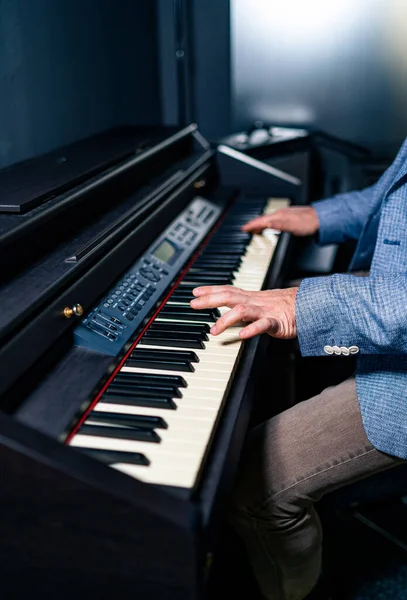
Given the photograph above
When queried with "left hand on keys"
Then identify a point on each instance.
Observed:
(268, 311)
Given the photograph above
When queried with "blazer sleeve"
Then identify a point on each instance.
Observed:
(368, 313)
(343, 216)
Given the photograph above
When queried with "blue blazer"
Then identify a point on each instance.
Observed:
(367, 316)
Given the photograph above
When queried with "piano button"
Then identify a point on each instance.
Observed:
(117, 321)
(135, 389)
(151, 380)
(123, 433)
(150, 401)
(124, 420)
(112, 457)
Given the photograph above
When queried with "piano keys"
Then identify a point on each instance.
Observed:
(189, 406)
(122, 418)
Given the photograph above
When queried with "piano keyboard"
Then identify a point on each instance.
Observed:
(156, 419)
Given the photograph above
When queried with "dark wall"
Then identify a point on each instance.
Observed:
(208, 56)
(72, 68)
(212, 81)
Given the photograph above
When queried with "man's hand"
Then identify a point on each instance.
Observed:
(298, 220)
(269, 311)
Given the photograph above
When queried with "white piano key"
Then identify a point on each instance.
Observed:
(174, 476)
(185, 412)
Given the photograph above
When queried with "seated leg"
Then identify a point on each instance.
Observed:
(289, 463)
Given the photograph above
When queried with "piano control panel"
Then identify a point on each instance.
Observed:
(111, 324)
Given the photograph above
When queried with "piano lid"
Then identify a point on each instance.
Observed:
(33, 182)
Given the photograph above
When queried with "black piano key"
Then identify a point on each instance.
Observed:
(153, 354)
(185, 287)
(200, 329)
(211, 273)
(114, 456)
(172, 340)
(208, 278)
(231, 237)
(203, 281)
(213, 257)
(149, 401)
(225, 251)
(135, 389)
(180, 297)
(151, 379)
(209, 257)
(126, 420)
(228, 248)
(213, 268)
(162, 364)
(183, 312)
(138, 434)
(180, 291)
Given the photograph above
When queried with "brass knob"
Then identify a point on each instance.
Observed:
(76, 309)
(199, 184)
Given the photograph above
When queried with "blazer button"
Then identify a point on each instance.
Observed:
(337, 350)
(353, 350)
(345, 351)
(328, 350)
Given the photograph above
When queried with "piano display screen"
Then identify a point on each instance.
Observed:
(165, 251)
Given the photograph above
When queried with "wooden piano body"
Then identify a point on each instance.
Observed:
(71, 224)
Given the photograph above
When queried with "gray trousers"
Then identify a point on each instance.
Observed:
(289, 463)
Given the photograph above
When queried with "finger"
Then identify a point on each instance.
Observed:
(241, 312)
(205, 290)
(258, 224)
(227, 298)
(263, 325)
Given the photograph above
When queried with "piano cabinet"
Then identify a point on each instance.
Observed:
(121, 426)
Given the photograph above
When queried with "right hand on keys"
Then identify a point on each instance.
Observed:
(298, 220)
